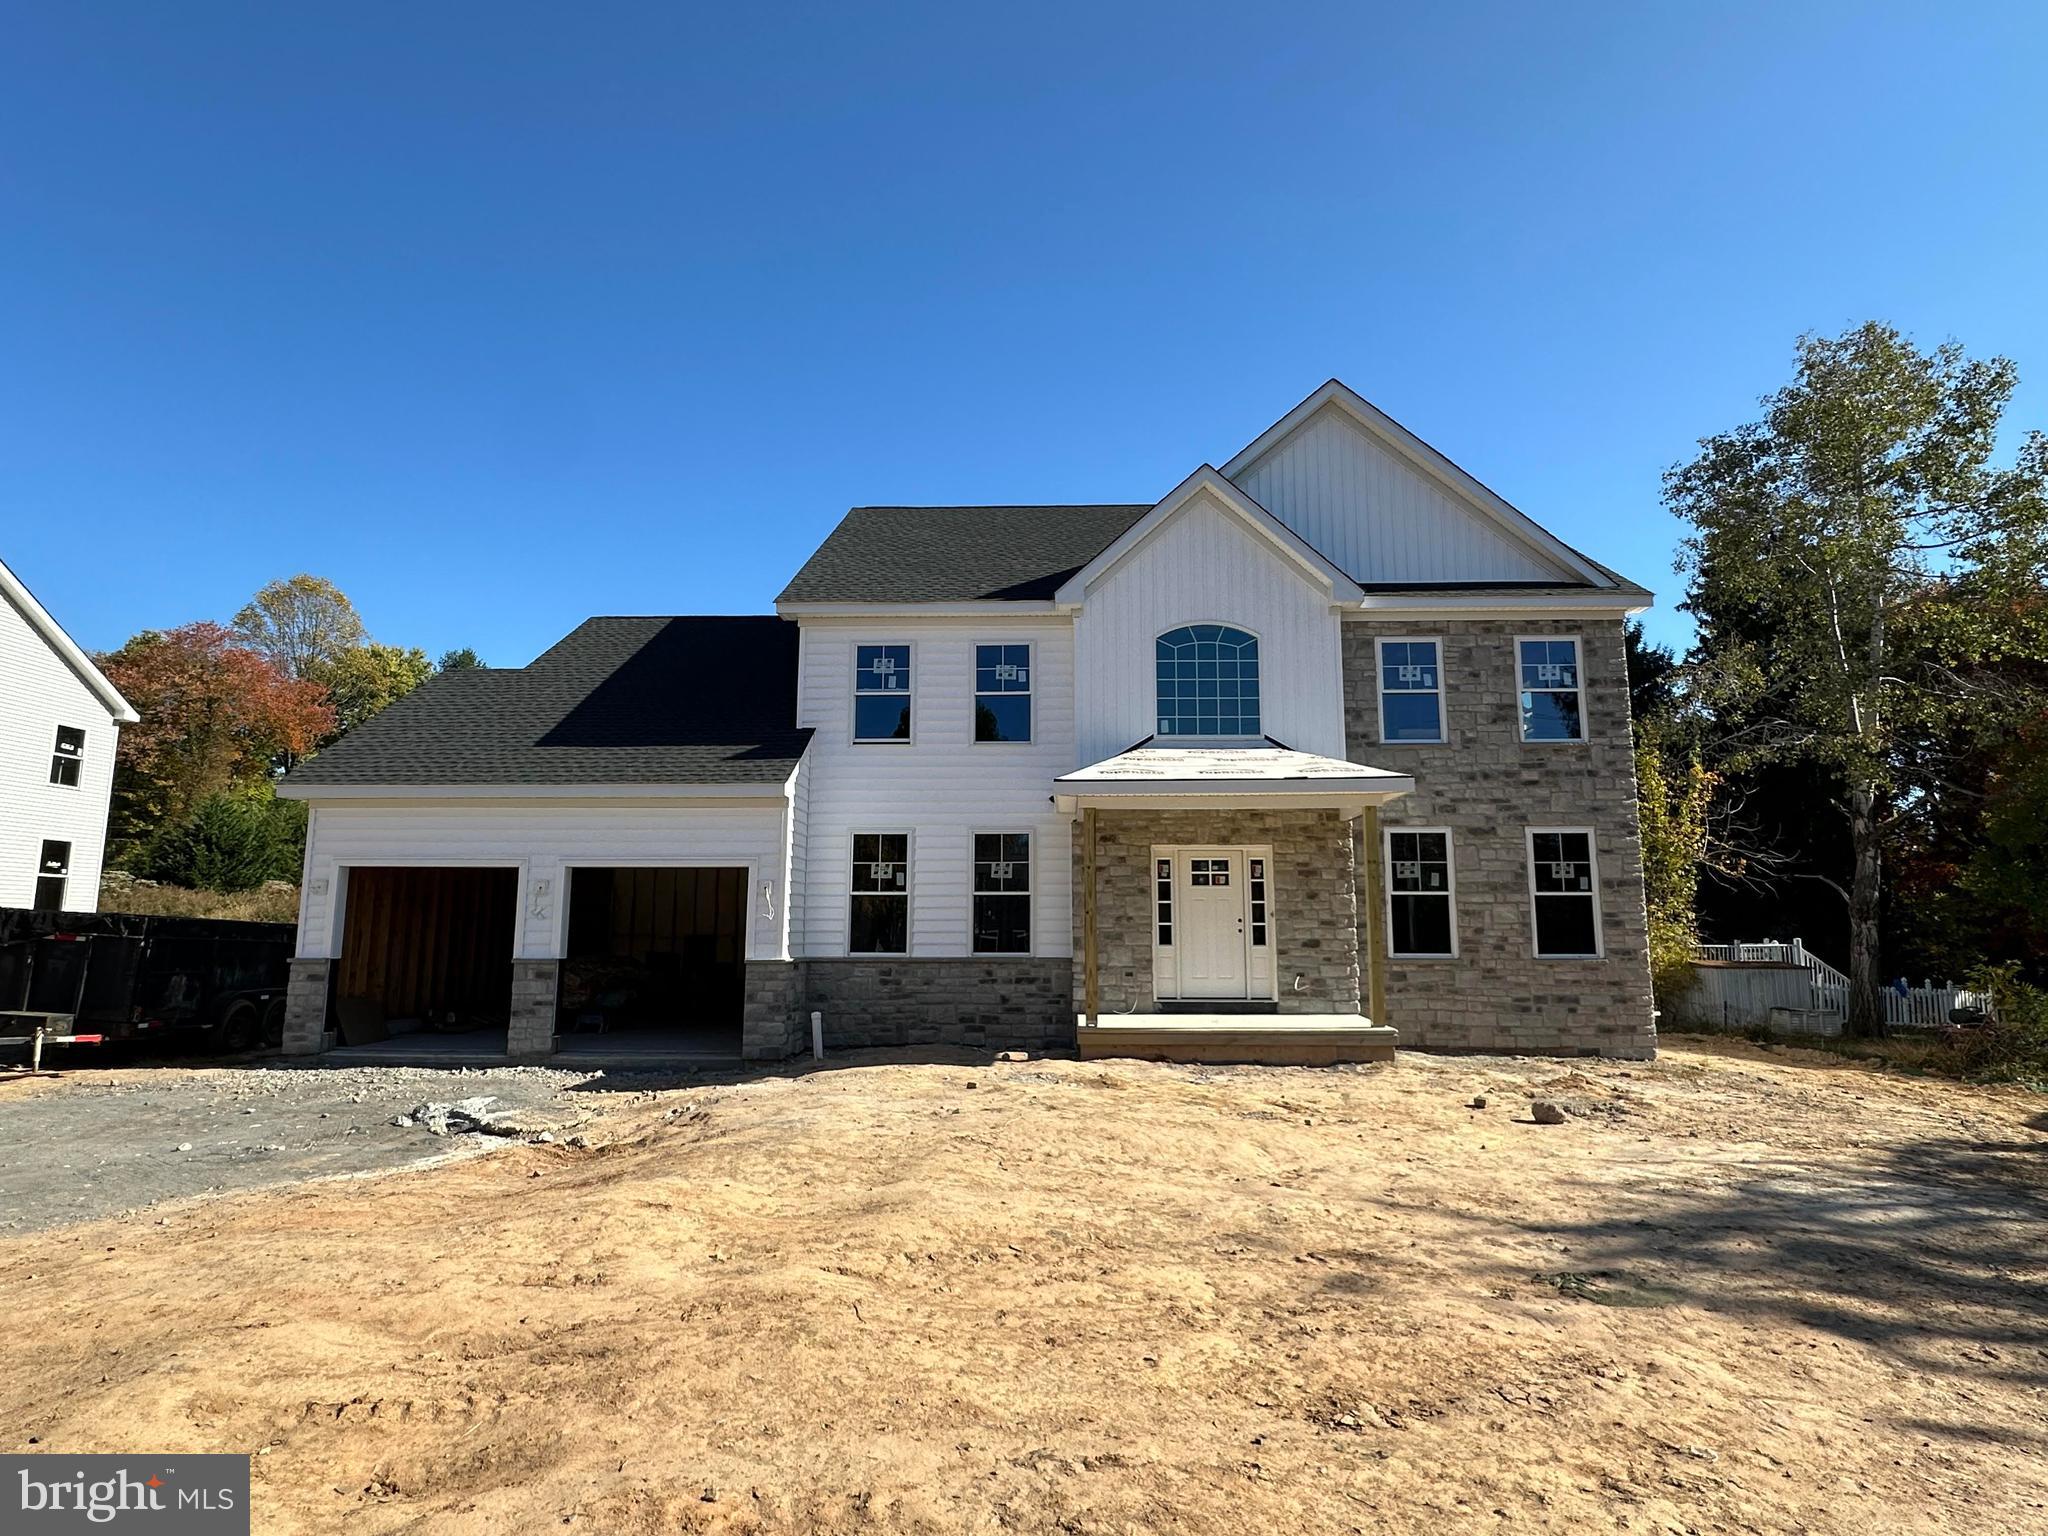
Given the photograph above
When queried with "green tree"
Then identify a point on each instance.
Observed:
(369, 678)
(300, 624)
(231, 842)
(1855, 565)
(1673, 792)
(463, 659)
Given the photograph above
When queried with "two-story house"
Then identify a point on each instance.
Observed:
(59, 719)
(1327, 746)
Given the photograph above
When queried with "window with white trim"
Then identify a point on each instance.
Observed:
(1421, 923)
(879, 921)
(1257, 878)
(1553, 700)
(881, 693)
(1002, 693)
(1411, 691)
(1208, 677)
(1163, 897)
(51, 873)
(1002, 893)
(1564, 893)
(67, 758)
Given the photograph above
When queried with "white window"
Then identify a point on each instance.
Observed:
(1411, 691)
(51, 872)
(1208, 681)
(68, 757)
(1553, 697)
(1564, 893)
(1002, 893)
(881, 693)
(1422, 920)
(879, 920)
(1002, 693)
(1162, 894)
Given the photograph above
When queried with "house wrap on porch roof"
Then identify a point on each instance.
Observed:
(1177, 797)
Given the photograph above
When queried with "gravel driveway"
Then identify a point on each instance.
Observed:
(103, 1142)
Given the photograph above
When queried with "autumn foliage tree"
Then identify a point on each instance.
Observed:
(216, 716)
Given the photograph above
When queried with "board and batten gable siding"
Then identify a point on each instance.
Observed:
(1377, 516)
(39, 691)
(943, 786)
(1204, 566)
(543, 839)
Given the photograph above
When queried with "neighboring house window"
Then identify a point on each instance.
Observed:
(1553, 702)
(1411, 691)
(1002, 893)
(1208, 681)
(50, 873)
(881, 693)
(1564, 893)
(68, 757)
(1002, 693)
(880, 921)
(1163, 895)
(1420, 920)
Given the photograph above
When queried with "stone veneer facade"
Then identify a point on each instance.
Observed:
(1312, 900)
(1488, 786)
(993, 1002)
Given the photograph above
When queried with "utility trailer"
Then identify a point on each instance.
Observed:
(97, 978)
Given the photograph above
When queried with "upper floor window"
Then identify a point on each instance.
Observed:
(1411, 691)
(1208, 681)
(881, 693)
(68, 756)
(1002, 693)
(1553, 700)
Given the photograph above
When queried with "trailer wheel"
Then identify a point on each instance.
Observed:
(273, 1022)
(239, 1027)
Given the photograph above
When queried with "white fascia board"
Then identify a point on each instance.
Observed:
(1606, 604)
(1196, 795)
(980, 608)
(1384, 429)
(1341, 588)
(67, 650)
(765, 794)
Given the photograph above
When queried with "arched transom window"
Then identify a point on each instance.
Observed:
(1208, 681)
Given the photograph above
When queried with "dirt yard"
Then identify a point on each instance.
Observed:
(1734, 1292)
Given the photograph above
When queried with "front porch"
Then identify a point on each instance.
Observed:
(1217, 906)
(1265, 1039)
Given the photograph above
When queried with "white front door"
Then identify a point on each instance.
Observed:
(1211, 921)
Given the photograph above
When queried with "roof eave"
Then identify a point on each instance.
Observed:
(67, 649)
(763, 789)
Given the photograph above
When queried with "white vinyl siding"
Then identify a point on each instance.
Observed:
(1204, 566)
(39, 693)
(945, 784)
(1322, 479)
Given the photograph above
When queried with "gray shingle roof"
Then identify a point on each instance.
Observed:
(956, 554)
(651, 701)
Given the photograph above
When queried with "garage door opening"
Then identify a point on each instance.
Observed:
(426, 960)
(656, 962)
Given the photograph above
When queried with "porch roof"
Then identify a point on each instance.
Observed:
(1265, 776)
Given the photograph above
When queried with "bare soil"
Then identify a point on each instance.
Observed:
(1735, 1291)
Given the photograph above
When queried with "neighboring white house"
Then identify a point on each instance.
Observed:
(59, 718)
(1331, 738)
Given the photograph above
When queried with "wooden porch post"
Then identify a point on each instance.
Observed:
(1091, 989)
(1375, 918)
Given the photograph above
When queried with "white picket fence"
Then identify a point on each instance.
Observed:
(1918, 1007)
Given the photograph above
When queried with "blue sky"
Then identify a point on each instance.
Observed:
(500, 315)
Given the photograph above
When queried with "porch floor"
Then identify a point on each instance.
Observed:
(1265, 1039)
